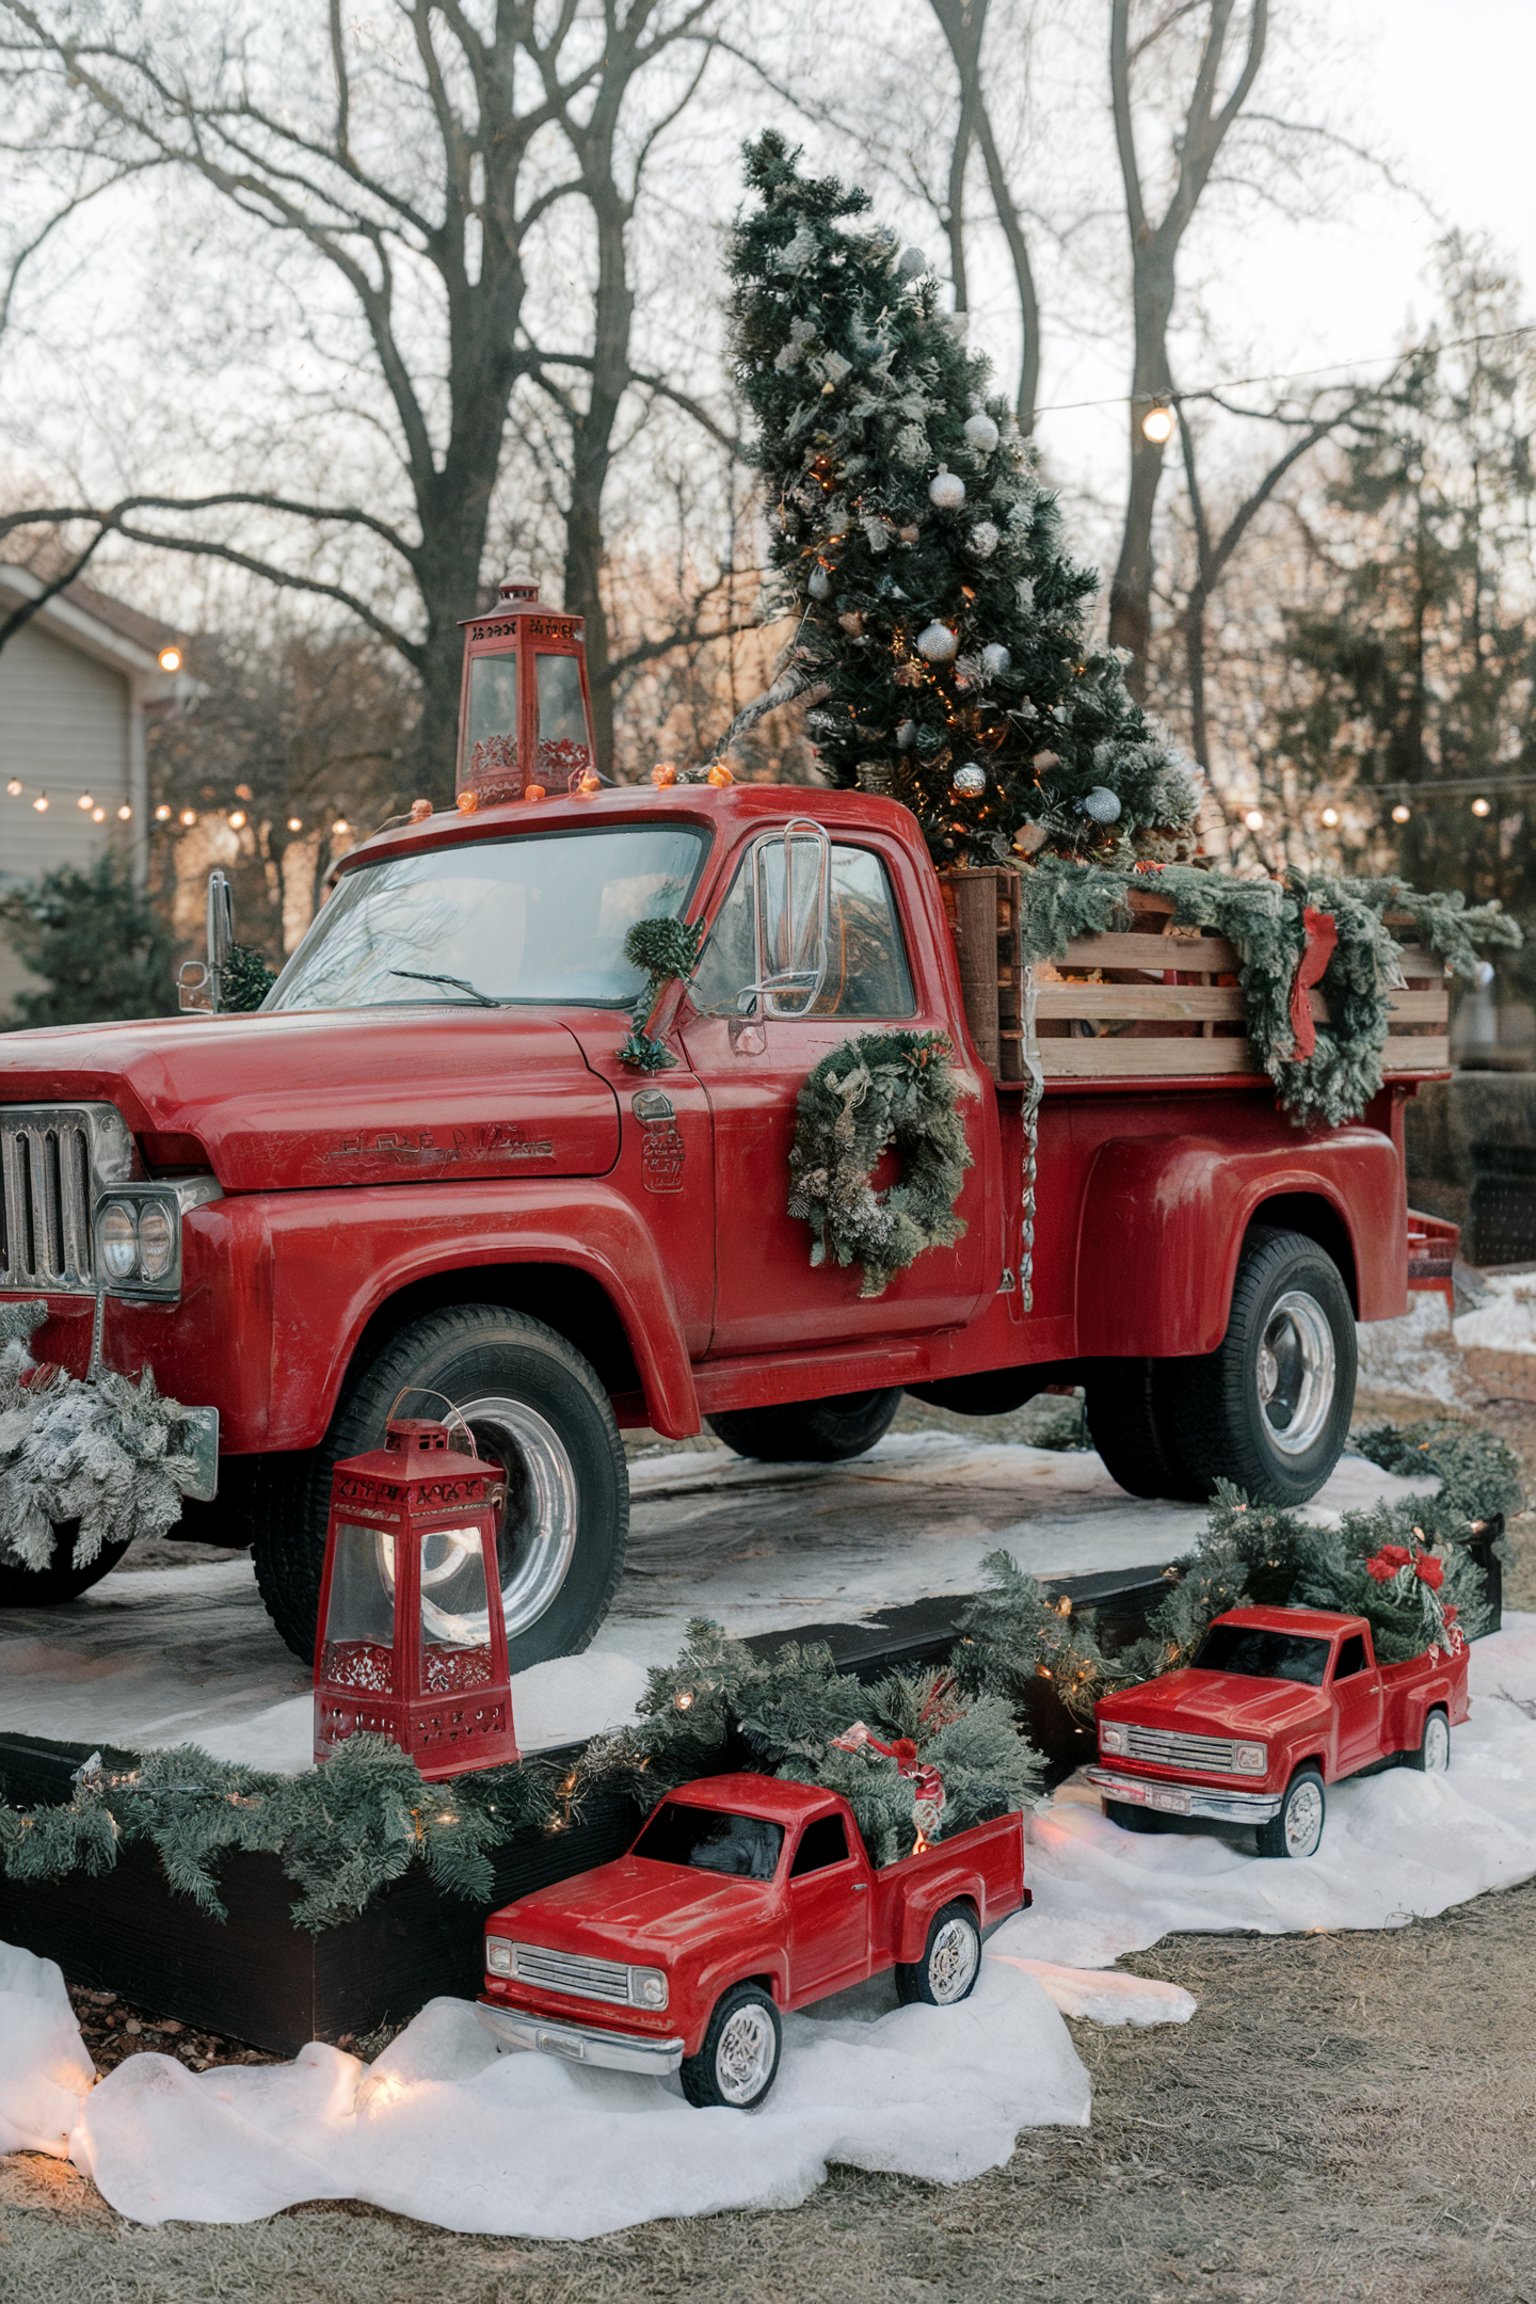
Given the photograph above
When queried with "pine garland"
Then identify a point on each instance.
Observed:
(940, 623)
(109, 1455)
(667, 951)
(880, 1092)
(1061, 900)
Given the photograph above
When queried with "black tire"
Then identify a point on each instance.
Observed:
(1304, 1800)
(708, 2077)
(951, 1961)
(1433, 1756)
(810, 1431)
(466, 1354)
(1130, 1818)
(1290, 1340)
(61, 1580)
(1130, 1423)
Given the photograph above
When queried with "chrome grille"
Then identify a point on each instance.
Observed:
(570, 1972)
(52, 1159)
(1166, 1749)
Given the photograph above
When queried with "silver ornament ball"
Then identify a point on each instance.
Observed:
(984, 539)
(982, 433)
(819, 584)
(937, 643)
(968, 781)
(995, 660)
(947, 491)
(1101, 805)
(912, 262)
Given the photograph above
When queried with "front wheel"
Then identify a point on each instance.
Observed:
(951, 1961)
(1269, 1409)
(739, 2059)
(1130, 1818)
(60, 1580)
(810, 1431)
(1298, 1829)
(536, 1408)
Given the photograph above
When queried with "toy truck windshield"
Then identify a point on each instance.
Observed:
(1257, 1653)
(536, 919)
(712, 1840)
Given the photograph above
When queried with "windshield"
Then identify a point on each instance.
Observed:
(1262, 1655)
(537, 918)
(747, 1847)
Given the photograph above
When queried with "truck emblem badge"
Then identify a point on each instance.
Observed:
(504, 1139)
(662, 1150)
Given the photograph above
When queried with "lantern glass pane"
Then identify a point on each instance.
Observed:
(490, 722)
(565, 740)
(360, 1618)
(455, 1613)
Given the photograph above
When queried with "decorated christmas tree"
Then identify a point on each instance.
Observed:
(940, 643)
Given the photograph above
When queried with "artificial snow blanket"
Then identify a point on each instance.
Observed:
(444, 2129)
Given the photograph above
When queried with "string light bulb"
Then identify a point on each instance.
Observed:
(98, 815)
(189, 816)
(1482, 807)
(86, 802)
(125, 814)
(341, 828)
(295, 823)
(237, 819)
(41, 804)
(1158, 423)
(1254, 819)
(170, 659)
(1331, 818)
(1401, 812)
(14, 787)
(163, 813)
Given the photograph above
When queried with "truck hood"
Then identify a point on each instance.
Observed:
(1217, 1704)
(635, 1910)
(355, 1096)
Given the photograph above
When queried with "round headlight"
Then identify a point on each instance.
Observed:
(119, 1237)
(1113, 1736)
(1251, 1759)
(157, 1241)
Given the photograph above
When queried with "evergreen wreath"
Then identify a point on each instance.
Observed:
(884, 1091)
(1061, 900)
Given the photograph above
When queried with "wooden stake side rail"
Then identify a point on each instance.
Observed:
(1156, 1001)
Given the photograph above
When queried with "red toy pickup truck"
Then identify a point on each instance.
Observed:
(424, 1170)
(1278, 1703)
(743, 1896)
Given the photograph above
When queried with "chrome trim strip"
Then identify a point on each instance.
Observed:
(1211, 1801)
(578, 2043)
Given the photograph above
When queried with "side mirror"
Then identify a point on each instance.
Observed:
(792, 907)
(198, 981)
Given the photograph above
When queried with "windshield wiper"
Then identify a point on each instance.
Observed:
(459, 983)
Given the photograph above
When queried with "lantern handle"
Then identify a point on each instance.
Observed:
(454, 1417)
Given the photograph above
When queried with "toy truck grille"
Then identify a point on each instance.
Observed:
(569, 1972)
(53, 1158)
(1165, 1748)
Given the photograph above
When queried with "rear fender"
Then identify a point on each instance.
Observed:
(1164, 1219)
(927, 1898)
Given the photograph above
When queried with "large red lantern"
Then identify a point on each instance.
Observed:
(525, 711)
(413, 1641)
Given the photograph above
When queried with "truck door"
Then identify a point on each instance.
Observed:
(1356, 1689)
(753, 1062)
(828, 1910)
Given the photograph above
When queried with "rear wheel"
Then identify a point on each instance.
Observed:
(810, 1431)
(537, 1409)
(738, 2061)
(1130, 1424)
(60, 1580)
(1269, 1409)
(1433, 1756)
(951, 1961)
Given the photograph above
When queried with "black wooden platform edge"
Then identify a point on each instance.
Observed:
(258, 1978)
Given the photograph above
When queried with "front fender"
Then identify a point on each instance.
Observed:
(1164, 1219)
(704, 1994)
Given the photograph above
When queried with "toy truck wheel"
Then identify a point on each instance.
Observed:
(1130, 1424)
(739, 2060)
(951, 1961)
(1269, 1409)
(535, 1406)
(1130, 1818)
(1298, 1829)
(60, 1580)
(1433, 1756)
(810, 1431)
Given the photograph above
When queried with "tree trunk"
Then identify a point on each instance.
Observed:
(592, 455)
(1130, 594)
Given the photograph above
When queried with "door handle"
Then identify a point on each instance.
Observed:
(859, 1887)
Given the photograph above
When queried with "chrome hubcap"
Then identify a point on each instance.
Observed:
(1437, 1744)
(538, 1526)
(1297, 1373)
(744, 2057)
(952, 1959)
(1304, 1819)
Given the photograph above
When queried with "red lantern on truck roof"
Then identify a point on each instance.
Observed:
(525, 710)
(413, 1641)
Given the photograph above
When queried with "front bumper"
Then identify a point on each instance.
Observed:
(579, 2043)
(1165, 1799)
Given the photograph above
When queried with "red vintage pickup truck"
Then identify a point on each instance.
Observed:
(742, 1897)
(1278, 1703)
(424, 1171)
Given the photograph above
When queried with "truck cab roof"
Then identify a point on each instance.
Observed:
(1307, 1623)
(772, 1798)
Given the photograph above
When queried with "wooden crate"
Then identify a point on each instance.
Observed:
(1155, 1001)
